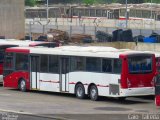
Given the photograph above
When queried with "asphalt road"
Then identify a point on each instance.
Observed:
(34, 105)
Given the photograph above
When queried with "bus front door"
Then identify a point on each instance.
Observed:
(64, 74)
(34, 74)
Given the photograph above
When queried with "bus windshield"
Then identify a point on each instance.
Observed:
(140, 64)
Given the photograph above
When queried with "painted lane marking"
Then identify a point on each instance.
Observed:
(5, 94)
(31, 114)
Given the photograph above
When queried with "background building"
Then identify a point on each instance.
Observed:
(12, 20)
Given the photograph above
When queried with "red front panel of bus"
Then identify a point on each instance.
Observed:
(12, 80)
(1, 68)
(136, 80)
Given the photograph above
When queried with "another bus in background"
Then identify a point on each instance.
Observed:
(6, 43)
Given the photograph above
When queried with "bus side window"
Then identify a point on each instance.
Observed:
(130, 67)
(25, 65)
(44, 63)
(78, 63)
(158, 64)
(117, 66)
(21, 62)
(1, 57)
(137, 67)
(9, 62)
(93, 64)
(106, 65)
(53, 64)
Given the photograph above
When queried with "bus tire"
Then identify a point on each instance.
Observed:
(22, 85)
(80, 91)
(93, 93)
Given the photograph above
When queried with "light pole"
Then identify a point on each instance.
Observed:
(151, 9)
(126, 15)
(47, 9)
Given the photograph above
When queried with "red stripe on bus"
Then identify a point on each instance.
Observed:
(103, 85)
(49, 81)
(85, 84)
(88, 84)
(72, 83)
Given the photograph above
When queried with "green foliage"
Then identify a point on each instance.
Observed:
(30, 3)
(153, 1)
(124, 1)
(89, 2)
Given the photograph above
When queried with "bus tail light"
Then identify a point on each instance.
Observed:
(153, 80)
(128, 83)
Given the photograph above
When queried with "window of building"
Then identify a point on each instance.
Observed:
(99, 13)
(92, 12)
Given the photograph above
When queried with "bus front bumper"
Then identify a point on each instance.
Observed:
(137, 91)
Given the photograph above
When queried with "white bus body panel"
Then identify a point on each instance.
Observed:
(101, 80)
(34, 81)
(65, 82)
(1, 78)
(137, 91)
(49, 82)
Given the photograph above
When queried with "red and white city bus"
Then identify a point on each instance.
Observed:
(93, 71)
(6, 43)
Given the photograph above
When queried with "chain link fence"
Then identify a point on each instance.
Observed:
(91, 26)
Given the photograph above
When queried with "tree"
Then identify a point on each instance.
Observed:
(30, 2)
(89, 2)
(153, 1)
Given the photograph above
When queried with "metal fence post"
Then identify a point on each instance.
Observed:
(107, 30)
(70, 30)
(140, 32)
(84, 29)
(95, 30)
(30, 30)
(57, 26)
(43, 29)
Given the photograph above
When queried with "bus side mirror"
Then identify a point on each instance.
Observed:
(157, 79)
(156, 73)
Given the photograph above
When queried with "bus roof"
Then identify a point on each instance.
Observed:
(157, 54)
(90, 51)
(23, 43)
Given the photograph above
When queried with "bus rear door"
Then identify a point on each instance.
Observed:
(34, 72)
(64, 74)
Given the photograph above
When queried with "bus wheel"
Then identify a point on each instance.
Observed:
(93, 93)
(80, 91)
(22, 85)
